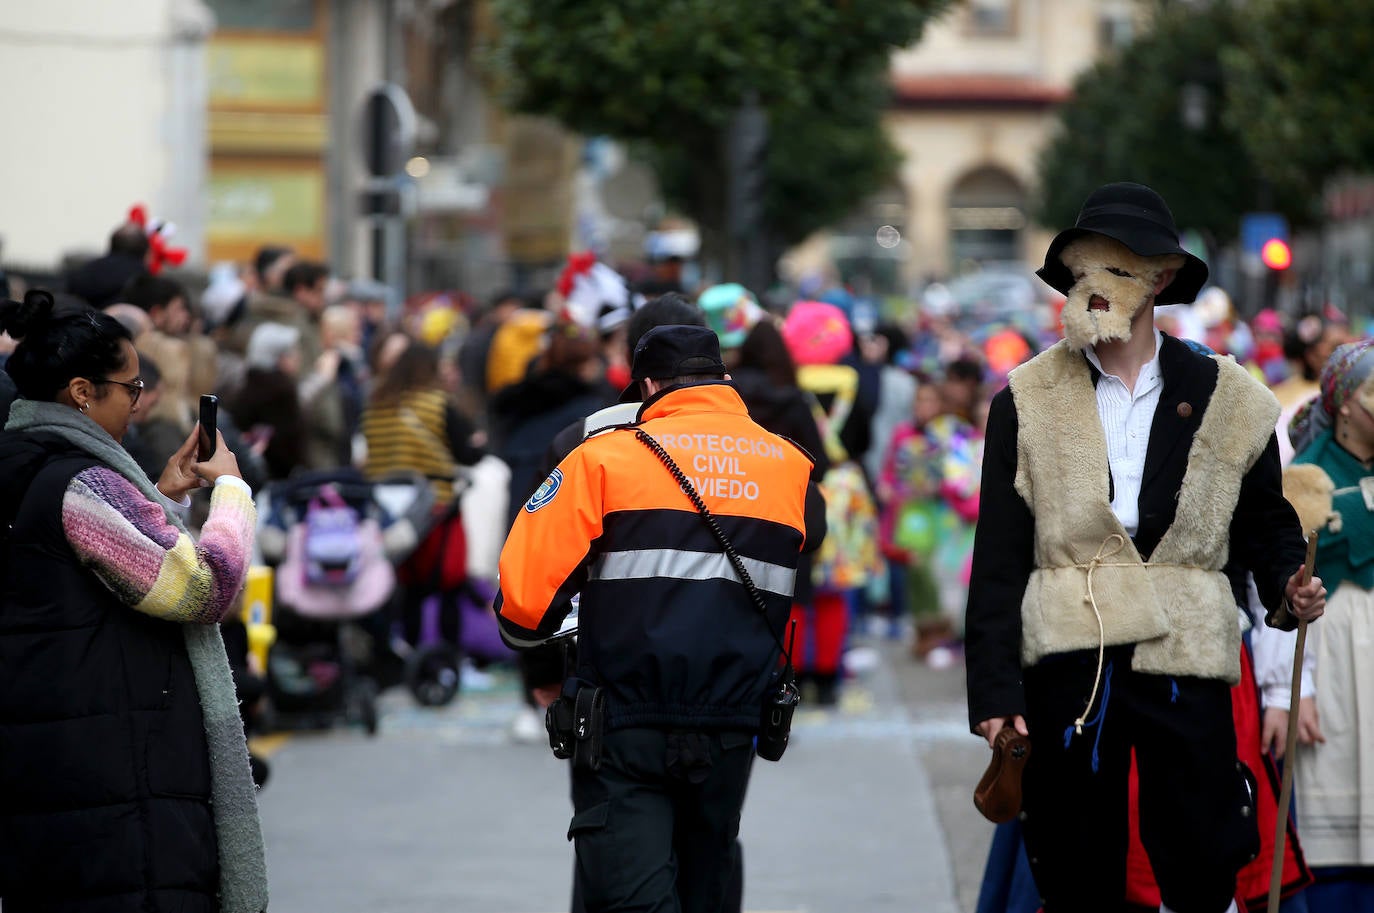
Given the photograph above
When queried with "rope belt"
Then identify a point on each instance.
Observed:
(1109, 548)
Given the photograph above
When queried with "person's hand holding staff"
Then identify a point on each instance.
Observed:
(1305, 598)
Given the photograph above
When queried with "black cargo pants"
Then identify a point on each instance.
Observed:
(655, 827)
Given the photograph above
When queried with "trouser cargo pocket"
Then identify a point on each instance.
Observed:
(589, 820)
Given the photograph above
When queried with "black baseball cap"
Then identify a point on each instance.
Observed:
(672, 351)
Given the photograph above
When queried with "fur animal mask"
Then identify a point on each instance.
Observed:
(1111, 285)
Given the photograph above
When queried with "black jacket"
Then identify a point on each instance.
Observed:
(104, 769)
(101, 280)
(1265, 537)
(782, 410)
(664, 625)
(787, 411)
(527, 416)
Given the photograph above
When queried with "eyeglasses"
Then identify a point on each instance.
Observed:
(134, 387)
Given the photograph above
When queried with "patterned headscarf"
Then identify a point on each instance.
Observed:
(1346, 371)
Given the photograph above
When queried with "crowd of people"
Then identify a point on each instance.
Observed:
(891, 402)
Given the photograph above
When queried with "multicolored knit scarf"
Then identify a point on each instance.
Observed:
(1346, 371)
(242, 857)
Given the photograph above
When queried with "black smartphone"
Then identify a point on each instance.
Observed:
(209, 421)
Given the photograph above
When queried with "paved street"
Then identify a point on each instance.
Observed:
(869, 810)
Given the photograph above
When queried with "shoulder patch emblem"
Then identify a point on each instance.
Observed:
(546, 492)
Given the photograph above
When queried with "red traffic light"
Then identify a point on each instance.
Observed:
(1275, 254)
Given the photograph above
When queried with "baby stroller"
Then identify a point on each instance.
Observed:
(445, 620)
(335, 537)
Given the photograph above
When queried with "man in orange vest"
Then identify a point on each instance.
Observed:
(676, 654)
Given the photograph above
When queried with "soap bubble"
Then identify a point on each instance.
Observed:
(889, 237)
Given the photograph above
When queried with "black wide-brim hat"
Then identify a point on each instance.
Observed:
(1137, 217)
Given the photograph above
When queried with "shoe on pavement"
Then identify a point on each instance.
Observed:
(860, 660)
(942, 657)
(474, 679)
(527, 728)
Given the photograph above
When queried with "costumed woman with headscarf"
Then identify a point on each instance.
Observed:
(1331, 483)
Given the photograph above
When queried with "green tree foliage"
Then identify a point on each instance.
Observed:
(1128, 121)
(1300, 79)
(667, 75)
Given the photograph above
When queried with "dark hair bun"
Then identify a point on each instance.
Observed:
(19, 319)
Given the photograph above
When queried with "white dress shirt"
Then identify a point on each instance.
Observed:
(1126, 418)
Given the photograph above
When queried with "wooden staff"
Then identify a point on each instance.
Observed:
(1290, 756)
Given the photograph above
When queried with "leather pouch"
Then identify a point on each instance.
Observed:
(998, 794)
(589, 725)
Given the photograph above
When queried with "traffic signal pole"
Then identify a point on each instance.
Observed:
(388, 137)
(749, 249)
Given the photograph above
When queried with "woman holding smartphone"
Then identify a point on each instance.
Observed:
(124, 779)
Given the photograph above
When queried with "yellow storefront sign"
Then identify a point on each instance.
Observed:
(256, 202)
(266, 72)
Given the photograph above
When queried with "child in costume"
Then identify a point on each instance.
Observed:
(929, 488)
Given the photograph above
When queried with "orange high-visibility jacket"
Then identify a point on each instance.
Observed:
(664, 623)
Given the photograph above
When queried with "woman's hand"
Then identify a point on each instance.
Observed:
(1309, 724)
(179, 477)
(222, 463)
(1274, 730)
(183, 474)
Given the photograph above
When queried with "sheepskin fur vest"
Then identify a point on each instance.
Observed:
(1177, 607)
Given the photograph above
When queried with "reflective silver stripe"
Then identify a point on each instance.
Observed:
(519, 643)
(682, 565)
(514, 641)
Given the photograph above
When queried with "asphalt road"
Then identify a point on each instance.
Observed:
(442, 812)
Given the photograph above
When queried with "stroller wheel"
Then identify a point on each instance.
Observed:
(433, 674)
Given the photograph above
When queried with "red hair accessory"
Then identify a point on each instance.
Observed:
(159, 252)
(578, 264)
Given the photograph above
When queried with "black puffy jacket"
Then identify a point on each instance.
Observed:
(104, 769)
(527, 415)
(786, 410)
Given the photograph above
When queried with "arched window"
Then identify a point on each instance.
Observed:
(987, 213)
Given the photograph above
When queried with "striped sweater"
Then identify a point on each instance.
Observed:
(411, 434)
(149, 564)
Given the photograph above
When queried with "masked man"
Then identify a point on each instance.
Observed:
(1122, 470)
